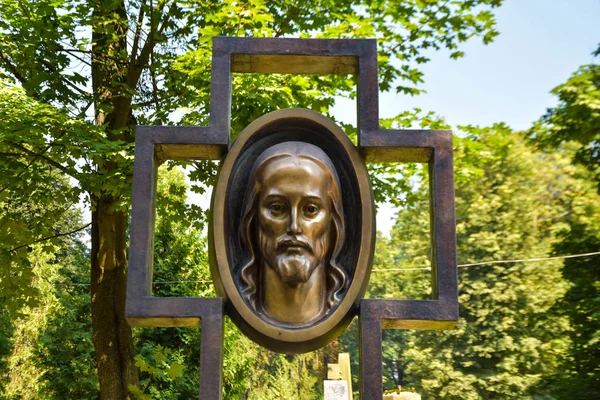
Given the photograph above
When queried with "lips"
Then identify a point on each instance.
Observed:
(288, 243)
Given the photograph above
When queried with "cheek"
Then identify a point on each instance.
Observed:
(317, 227)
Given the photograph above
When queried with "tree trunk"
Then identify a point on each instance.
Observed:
(112, 101)
(111, 332)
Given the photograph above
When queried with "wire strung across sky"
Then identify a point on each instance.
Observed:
(595, 253)
(495, 262)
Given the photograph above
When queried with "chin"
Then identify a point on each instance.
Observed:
(294, 269)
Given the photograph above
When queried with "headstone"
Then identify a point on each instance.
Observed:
(335, 390)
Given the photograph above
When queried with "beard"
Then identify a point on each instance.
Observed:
(293, 264)
(294, 268)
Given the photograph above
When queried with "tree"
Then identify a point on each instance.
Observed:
(510, 341)
(581, 305)
(576, 118)
(572, 127)
(88, 71)
(50, 353)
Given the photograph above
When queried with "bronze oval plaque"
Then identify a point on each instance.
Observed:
(292, 231)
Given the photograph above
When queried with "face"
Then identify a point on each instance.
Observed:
(293, 217)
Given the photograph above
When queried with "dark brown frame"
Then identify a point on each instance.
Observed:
(157, 144)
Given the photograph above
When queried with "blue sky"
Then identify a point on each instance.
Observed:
(541, 43)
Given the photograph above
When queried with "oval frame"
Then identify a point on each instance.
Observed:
(270, 129)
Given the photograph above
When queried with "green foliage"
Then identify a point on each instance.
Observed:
(50, 353)
(163, 370)
(280, 376)
(572, 128)
(511, 340)
(149, 63)
(35, 203)
(576, 118)
(45, 48)
(581, 304)
(180, 269)
(509, 206)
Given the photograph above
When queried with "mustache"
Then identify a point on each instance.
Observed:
(293, 241)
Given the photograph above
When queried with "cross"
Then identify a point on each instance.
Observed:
(156, 144)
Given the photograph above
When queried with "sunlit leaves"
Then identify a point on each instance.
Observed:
(50, 352)
(40, 136)
(576, 118)
(510, 203)
(151, 65)
(157, 364)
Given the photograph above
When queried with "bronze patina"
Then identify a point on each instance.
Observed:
(292, 230)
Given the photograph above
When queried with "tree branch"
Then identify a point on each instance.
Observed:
(12, 68)
(72, 50)
(143, 104)
(153, 79)
(136, 38)
(72, 54)
(31, 162)
(291, 14)
(142, 60)
(51, 237)
(50, 161)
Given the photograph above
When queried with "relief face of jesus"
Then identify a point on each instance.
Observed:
(293, 230)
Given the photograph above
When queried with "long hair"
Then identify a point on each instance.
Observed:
(336, 276)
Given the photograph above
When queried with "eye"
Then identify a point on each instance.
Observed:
(311, 210)
(277, 208)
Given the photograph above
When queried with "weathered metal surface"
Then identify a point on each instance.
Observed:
(211, 351)
(371, 361)
(154, 145)
(287, 56)
(239, 263)
(294, 64)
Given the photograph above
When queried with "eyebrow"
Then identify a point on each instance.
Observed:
(280, 196)
(274, 196)
(315, 198)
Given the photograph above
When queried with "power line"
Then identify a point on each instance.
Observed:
(495, 262)
(531, 259)
(170, 282)
(154, 283)
(399, 269)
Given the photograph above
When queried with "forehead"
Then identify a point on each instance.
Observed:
(294, 174)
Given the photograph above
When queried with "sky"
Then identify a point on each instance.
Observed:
(541, 43)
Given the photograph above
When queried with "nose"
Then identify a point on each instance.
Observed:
(294, 223)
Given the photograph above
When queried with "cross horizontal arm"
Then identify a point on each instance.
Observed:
(403, 145)
(172, 311)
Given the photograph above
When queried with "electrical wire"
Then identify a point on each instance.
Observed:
(495, 262)
(403, 269)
